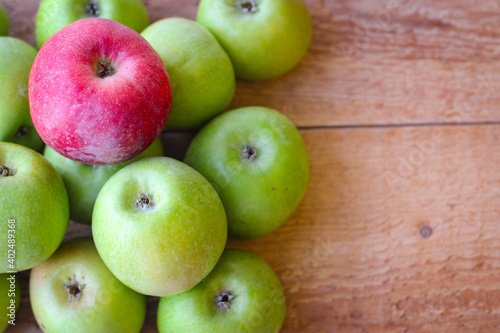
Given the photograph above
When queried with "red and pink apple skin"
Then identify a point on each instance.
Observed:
(93, 119)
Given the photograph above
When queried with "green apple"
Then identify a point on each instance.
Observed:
(200, 71)
(257, 161)
(241, 294)
(34, 208)
(75, 292)
(10, 298)
(16, 59)
(264, 38)
(84, 181)
(4, 22)
(53, 15)
(159, 226)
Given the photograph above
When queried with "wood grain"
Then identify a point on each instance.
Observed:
(399, 230)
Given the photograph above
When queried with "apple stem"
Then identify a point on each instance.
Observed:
(74, 289)
(249, 152)
(93, 9)
(224, 299)
(104, 69)
(145, 201)
(5, 171)
(247, 6)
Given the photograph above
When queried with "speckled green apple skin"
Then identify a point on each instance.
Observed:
(53, 15)
(169, 248)
(16, 59)
(200, 71)
(260, 194)
(5, 300)
(35, 197)
(258, 305)
(84, 181)
(263, 44)
(4, 22)
(105, 304)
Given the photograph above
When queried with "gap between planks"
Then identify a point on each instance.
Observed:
(367, 126)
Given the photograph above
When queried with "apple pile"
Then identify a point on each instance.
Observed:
(99, 92)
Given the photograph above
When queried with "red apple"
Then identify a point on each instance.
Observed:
(98, 92)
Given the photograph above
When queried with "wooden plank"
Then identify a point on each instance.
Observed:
(357, 254)
(371, 62)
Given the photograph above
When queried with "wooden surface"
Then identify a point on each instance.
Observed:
(400, 229)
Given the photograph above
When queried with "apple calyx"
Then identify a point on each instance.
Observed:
(249, 152)
(224, 299)
(92, 9)
(23, 131)
(247, 6)
(5, 171)
(74, 289)
(145, 202)
(105, 69)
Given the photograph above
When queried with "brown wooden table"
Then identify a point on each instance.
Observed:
(398, 103)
